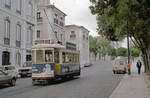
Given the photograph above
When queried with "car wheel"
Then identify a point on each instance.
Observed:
(13, 82)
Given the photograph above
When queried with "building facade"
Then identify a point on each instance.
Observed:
(79, 35)
(17, 27)
(50, 23)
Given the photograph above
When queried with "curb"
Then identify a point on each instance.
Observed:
(117, 87)
(146, 76)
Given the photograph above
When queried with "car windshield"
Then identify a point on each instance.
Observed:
(119, 62)
(27, 64)
(10, 68)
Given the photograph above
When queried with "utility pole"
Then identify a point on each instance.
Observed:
(128, 46)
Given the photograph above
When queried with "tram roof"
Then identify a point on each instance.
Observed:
(48, 46)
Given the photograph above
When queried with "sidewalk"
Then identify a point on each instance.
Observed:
(133, 86)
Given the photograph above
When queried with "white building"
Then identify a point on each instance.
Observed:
(51, 23)
(79, 35)
(17, 27)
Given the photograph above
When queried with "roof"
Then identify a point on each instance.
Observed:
(53, 6)
(47, 46)
(73, 25)
(98, 37)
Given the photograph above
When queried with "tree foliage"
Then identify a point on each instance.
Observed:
(121, 52)
(117, 18)
(134, 52)
(93, 46)
(103, 46)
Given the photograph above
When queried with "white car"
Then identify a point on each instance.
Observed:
(8, 75)
(119, 66)
(13, 70)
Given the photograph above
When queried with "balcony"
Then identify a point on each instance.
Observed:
(6, 41)
(18, 43)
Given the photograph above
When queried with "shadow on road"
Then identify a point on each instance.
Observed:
(4, 86)
(59, 81)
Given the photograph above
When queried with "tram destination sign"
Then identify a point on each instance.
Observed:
(70, 46)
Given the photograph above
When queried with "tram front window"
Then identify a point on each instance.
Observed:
(39, 56)
(48, 56)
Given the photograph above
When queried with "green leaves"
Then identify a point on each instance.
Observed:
(112, 19)
(135, 52)
(121, 52)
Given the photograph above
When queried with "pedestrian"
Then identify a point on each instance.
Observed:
(139, 65)
(128, 68)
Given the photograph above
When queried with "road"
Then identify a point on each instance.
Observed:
(96, 81)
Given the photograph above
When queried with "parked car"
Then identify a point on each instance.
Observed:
(7, 76)
(119, 65)
(13, 70)
(26, 69)
(88, 64)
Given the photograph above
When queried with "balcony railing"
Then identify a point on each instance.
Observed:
(18, 43)
(6, 41)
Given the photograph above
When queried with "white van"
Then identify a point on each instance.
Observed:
(119, 65)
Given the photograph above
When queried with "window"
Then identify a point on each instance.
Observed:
(7, 32)
(18, 35)
(61, 24)
(18, 6)
(29, 35)
(18, 59)
(8, 4)
(72, 35)
(48, 56)
(38, 33)
(39, 56)
(38, 15)
(56, 57)
(30, 9)
(5, 58)
(84, 35)
(55, 20)
(61, 18)
(56, 15)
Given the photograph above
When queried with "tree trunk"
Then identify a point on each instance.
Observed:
(95, 56)
(99, 56)
(146, 57)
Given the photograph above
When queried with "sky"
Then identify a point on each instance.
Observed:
(78, 13)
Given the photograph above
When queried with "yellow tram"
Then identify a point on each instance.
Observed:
(51, 61)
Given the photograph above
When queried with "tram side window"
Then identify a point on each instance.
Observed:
(56, 57)
(39, 56)
(75, 57)
(48, 56)
(63, 57)
(66, 58)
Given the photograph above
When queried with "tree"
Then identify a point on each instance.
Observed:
(121, 52)
(134, 52)
(93, 46)
(118, 18)
(103, 46)
(112, 51)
